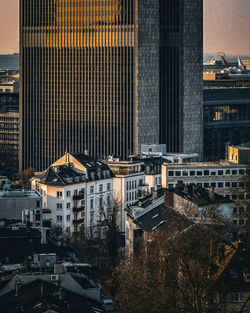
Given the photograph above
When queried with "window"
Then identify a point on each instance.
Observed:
(220, 172)
(199, 173)
(68, 229)
(206, 172)
(206, 185)
(177, 173)
(91, 189)
(91, 217)
(241, 196)
(58, 194)
(68, 217)
(68, 193)
(192, 173)
(170, 185)
(59, 218)
(59, 205)
(237, 297)
(213, 185)
(68, 205)
(232, 157)
(91, 204)
(185, 173)
(234, 197)
(108, 200)
(234, 172)
(241, 185)
(234, 184)
(108, 186)
(82, 202)
(241, 222)
(227, 184)
(133, 185)
(228, 172)
(242, 172)
(213, 173)
(170, 173)
(220, 185)
(82, 214)
(38, 204)
(75, 192)
(100, 188)
(100, 201)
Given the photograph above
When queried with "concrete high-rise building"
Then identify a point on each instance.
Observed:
(106, 76)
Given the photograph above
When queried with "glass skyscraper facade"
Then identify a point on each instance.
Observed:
(91, 73)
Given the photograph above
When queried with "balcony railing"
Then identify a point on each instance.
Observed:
(46, 211)
(78, 209)
(78, 197)
(78, 221)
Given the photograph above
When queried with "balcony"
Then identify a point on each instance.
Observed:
(46, 211)
(78, 221)
(79, 209)
(80, 196)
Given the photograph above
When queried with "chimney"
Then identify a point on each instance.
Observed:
(211, 193)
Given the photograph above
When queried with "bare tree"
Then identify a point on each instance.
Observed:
(171, 273)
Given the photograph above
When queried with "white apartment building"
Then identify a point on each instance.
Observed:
(77, 192)
(129, 185)
(226, 178)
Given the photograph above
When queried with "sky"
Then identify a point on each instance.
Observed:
(226, 26)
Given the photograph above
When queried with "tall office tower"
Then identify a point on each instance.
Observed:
(181, 86)
(92, 72)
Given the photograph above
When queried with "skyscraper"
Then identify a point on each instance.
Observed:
(93, 77)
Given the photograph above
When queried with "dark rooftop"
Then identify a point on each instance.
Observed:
(198, 195)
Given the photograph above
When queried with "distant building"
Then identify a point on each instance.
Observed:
(9, 87)
(226, 120)
(239, 154)
(77, 192)
(13, 202)
(9, 127)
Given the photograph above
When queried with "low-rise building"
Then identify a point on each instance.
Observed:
(199, 204)
(14, 202)
(77, 192)
(239, 154)
(226, 178)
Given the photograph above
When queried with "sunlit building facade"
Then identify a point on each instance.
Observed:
(91, 78)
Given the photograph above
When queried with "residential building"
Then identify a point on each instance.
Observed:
(56, 289)
(129, 185)
(199, 204)
(77, 193)
(14, 202)
(148, 215)
(226, 178)
(226, 120)
(97, 76)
